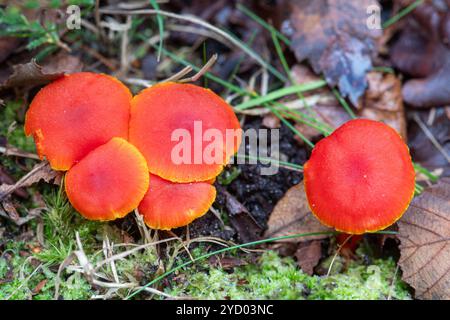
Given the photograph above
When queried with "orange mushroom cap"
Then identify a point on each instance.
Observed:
(169, 205)
(159, 112)
(109, 182)
(75, 114)
(360, 178)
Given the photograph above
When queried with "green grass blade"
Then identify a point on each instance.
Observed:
(273, 161)
(402, 13)
(160, 20)
(344, 103)
(276, 94)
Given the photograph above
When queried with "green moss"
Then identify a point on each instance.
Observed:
(280, 278)
(11, 126)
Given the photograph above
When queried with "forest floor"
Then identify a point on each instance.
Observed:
(266, 57)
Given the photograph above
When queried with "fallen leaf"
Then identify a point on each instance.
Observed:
(383, 101)
(242, 221)
(28, 75)
(422, 52)
(41, 171)
(62, 62)
(292, 215)
(333, 36)
(308, 255)
(424, 232)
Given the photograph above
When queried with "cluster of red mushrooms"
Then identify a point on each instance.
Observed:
(117, 151)
(116, 148)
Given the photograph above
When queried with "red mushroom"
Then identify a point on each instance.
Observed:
(169, 205)
(360, 178)
(73, 115)
(169, 115)
(109, 182)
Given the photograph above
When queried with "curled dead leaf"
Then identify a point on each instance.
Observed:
(424, 232)
(28, 75)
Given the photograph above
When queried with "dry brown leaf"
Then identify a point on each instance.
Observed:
(41, 171)
(308, 255)
(383, 101)
(334, 37)
(424, 232)
(292, 215)
(28, 75)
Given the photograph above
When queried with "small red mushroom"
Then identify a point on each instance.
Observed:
(109, 182)
(73, 115)
(360, 178)
(169, 205)
(161, 114)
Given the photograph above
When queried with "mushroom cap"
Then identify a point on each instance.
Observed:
(75, 114)
(109, 182)
(169, 109)
(360, 178)
(169, 205)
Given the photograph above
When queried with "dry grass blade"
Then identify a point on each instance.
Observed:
(203, 70)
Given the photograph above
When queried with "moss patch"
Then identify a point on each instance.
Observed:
(279, 278)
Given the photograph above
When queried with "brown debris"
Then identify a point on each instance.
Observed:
(424, 232)
(333, 36)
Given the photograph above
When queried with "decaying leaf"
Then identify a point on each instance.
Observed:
(424, 232)
(422, 52)
(242, 221)
(383, 101)
(308, 255)
(334, 37)
(41, 171)
(292, 215)
(28, 75)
